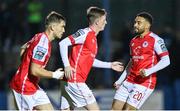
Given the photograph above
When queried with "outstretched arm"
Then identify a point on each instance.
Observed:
(117, 66)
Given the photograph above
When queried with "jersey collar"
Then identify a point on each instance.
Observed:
(92, 29)
(144, 35)
(47, 36)
(147, 34)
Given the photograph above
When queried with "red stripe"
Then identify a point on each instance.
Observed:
(37, 62)
(163, 54)
(72, 39)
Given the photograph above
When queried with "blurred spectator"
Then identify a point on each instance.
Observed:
(4, 18)
(174, 93)
(34, 15)
(170, 76)
(122, 53)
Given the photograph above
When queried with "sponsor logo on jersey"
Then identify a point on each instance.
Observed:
(138, 57)
(81, 32)
(40, 52)
(160, 41)
(78, 33)
(137, 50)
(163, 47)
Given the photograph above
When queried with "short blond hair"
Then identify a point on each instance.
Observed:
(93, 13)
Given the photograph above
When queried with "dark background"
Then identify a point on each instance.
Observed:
(16, 29)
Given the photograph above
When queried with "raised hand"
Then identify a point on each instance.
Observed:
(142, 72)
(117, 66)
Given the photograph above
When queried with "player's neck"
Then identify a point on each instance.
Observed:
(144, 33)
(95, 29)
(49, 35)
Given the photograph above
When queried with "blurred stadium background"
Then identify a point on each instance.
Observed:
(21, 19)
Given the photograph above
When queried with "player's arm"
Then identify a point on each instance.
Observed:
(117, 66)
(162, 52)
(63, 46)
(39, 54)
(37, 70)
(76, 38)
(164, 62)
(123, 75)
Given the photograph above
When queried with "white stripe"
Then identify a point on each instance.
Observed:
(78, 57)
(77, 61)
(23, 85)
(22, 90)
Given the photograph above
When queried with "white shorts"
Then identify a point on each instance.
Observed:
(133, 94)
(77, 95)
(27, 102)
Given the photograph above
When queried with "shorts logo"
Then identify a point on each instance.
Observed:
(40, 52)
(145, 44)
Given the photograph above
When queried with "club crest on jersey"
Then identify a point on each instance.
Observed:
(145, 44)
(40, 52)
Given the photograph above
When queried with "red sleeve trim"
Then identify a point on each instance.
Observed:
(72, 39)
(164, 54)
(37, 62)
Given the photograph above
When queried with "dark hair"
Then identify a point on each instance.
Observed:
(147, 16)
(93, 13)
(53, 17)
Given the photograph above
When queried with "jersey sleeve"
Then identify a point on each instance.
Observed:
(101, 64)
(78, 38)
(160, 47)
(63, 48)
(40, 51)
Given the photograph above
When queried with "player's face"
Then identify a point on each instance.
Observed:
(101, 22)
(59, 29)
(140, 25)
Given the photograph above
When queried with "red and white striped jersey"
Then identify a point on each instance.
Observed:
(145, 53)
(84, 50)
(38, 51)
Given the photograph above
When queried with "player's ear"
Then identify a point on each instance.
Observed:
(148, 25)
(52, 27)
(96, 23)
